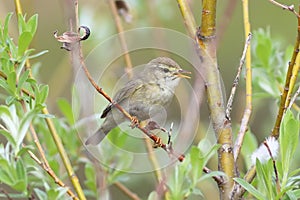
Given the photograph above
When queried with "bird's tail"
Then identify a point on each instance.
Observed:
(96, 138)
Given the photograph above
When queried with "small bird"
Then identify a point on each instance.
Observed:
(154, 86)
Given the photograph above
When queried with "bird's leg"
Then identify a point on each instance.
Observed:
(134, 122)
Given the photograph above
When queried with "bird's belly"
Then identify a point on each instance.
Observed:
(149, 104)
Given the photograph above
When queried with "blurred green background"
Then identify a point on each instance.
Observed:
(55, 68)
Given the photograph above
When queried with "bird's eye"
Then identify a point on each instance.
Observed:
(166, 70)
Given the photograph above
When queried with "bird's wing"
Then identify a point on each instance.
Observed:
(130, 88)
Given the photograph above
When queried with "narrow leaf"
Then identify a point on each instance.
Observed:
(250, 188)
(24, 41)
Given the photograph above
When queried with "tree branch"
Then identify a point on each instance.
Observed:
(285, 7)
(206, 44)
(284, 100)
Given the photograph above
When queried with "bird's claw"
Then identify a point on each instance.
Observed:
(134, 122)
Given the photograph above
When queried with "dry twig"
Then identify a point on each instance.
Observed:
(285, 7)
(237, 78)
(127, 191)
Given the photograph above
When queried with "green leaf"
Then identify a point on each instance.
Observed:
(9, 137)
(291, 129)
(177, 182)
(6, 24)
(21, 171)
(297, 193)
(6, 115)
(23, 78)
(10, 100)
(22, 26)
(38, 54)
(212, 151)
(66, 109)
(197, 163)
(291, 195)
(12, 82)
(250, 188)
(52, 194)
(288, 138)
(24, 41)
(90, 175)
(264, 177)
(40, 194)
(24, 124)
(6, 178)
(44, 90)
(25, 150)
(117, 137)
(32, 24)
(89, 171)
(20, 185)
(3, 84)
(264, 52)
(7, 172)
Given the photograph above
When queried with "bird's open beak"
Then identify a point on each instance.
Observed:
(182, 73)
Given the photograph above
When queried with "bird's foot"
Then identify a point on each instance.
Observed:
(134, 122)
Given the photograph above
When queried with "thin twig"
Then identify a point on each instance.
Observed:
(126, 191)
(285, 7)
(293, 99)
(248, 107)
(120, 30)
(52, 174)
(237, 78)
(219, 180)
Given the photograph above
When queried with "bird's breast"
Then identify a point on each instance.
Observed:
(150, 96)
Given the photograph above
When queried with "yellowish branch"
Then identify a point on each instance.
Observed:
(248, 108)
